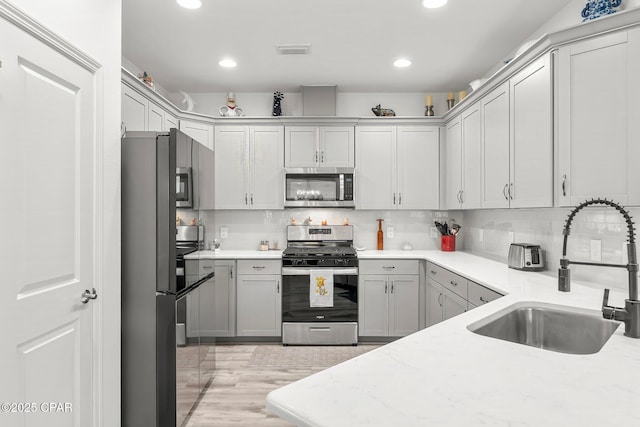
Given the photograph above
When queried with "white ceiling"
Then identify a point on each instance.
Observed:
(353, 42)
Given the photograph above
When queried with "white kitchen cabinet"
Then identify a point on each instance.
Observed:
(140, 113)
(598, 127)
(249, 167)
(259, 298)
(388, 303)
(463, 160)
(200, 131)
(442, 303)
(319, 146)
(397, 167)
(220, 307)
(495, 148)
(531, 136)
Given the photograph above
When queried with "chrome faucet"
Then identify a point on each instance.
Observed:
(630, 313)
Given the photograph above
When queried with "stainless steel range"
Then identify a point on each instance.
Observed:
(319, 286)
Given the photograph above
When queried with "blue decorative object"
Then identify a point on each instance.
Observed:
(596, 8)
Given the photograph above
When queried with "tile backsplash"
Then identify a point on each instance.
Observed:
(488, 233)
(247, 228)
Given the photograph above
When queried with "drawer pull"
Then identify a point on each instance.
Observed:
(453, 283)
(207, 267)
(433, 272)
(391, 267)
(484, 300)
(259, 267)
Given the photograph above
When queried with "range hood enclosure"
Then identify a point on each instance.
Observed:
(319, 100)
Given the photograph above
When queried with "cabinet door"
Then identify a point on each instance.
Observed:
(231, 167)
(404, 305)
(301, 147)
(495, 148)
(220, 312)
(201, 132)
(206, 178)
(337, 147)
(531, 149)
(596, 115)
(259, 305)
(418, 170)
(134, 109)
(471, 158)
(156, 118)
(373, 309)
(453, 155)
(267, 184)
(453, 304)
(435, 301)
(170, 121)
(375, 164)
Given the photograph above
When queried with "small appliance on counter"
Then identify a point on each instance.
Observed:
(526, 257)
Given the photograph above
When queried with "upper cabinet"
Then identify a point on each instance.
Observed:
(198, 130)
(463, 146)
(397, 167)
(319, 146)
(249, 167)
(598, 119)
(140, 113)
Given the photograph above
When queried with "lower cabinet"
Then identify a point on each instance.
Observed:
(259, 298)
(449, 294)
(389, 304)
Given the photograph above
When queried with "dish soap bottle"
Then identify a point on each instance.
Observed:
(380, 237)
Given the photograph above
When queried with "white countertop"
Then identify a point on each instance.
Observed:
(236, 254)
(446, 375)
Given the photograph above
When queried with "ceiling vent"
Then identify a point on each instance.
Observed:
(293, 49)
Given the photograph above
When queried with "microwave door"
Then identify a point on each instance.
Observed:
(184, 190)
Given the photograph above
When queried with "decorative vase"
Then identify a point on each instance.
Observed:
(596, 8)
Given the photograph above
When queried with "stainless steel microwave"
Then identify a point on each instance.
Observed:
(184, 188)
(319, 187)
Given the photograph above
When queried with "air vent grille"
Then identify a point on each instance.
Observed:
(293, 49)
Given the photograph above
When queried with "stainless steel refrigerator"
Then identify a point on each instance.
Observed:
(149, 291)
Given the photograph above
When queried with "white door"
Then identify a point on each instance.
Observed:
(47, 178)
(453, 164)
(373, 312)
(375, 159)
(337, 147)
(267, 167)
(231, 167)
(259, 305)
(404, 305)
(301, 147)
(472, 158)
(418, 160)
(495, 148)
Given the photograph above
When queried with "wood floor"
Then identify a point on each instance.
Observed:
(245, 374)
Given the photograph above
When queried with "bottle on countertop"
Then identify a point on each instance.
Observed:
(380, 236)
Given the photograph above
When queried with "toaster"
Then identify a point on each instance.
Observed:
(525, 256)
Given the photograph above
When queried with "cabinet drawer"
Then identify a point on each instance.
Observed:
(479, 295)
(449, 280)
(256, 266)
(199, 267)
(391, 266)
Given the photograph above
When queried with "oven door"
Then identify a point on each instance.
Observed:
(296, 305)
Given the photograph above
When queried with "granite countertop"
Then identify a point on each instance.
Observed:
(446, 375)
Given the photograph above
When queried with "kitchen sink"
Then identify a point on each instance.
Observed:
(549, 327)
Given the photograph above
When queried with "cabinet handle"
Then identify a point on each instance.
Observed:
(245, 198)
(385, 287)
(252, 198)
(316, 156)
(322, 156)
(388, 267)
(231, 272)
(511, 191)
(504, 191)
(278, 287)
(564, 188)
(433, 272)
(394, 198)
(399, 198)
(484, 300)
(440, 300)
(453, 283)
(458, 196)
(461, 196)
(207, 267)
(259, 267)
(392, 286)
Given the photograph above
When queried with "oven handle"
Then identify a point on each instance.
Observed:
(305, 271)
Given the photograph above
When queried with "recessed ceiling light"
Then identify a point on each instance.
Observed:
(401, 63)
(432, 4)
(227, 63)
(190, 4)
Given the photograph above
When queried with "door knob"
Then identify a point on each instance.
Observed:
(88, 294)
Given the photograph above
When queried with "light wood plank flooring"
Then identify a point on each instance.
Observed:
(246, 373)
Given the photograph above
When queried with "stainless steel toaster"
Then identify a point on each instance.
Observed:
(525, 256)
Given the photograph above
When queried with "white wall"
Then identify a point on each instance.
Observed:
(94, 26)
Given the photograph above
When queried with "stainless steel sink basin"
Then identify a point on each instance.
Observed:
(547, 326)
